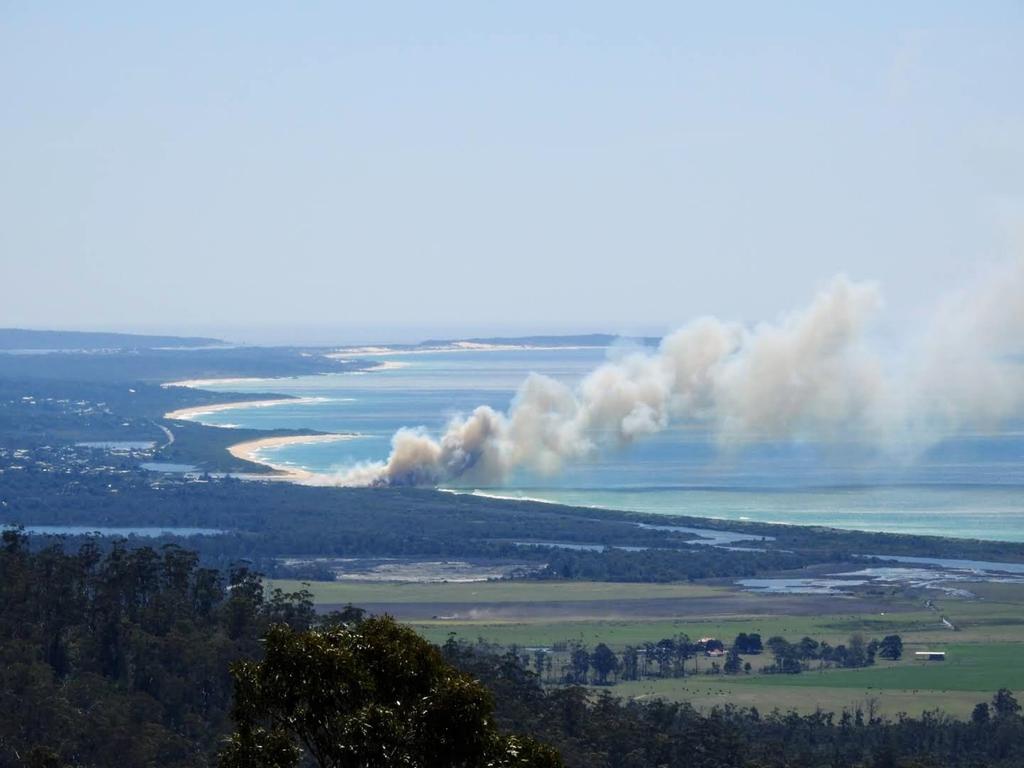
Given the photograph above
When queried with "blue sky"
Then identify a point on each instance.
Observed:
(355, 171)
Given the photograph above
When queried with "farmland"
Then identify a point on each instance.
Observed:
(982, 652)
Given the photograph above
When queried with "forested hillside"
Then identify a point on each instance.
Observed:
(123, 659)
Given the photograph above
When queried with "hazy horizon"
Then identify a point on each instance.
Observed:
(334, 174)
(329, 337)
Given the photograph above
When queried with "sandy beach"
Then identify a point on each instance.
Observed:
(201, 383)
(195, 412)
(250, 451)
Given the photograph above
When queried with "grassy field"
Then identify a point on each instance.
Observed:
(971, 673)
(983, 653)
(968, 667)
(358, 593)
(618, 634)
(705, 692)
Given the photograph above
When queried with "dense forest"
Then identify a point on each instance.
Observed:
(127, 658)
(25, 339)
(122, 658)
(159, 364)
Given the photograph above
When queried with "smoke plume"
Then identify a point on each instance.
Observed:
(812, 375)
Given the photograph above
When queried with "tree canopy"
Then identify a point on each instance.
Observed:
(373, 694)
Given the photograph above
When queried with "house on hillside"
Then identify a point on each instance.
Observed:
(930, 655)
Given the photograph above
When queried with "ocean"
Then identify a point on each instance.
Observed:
(971, 485)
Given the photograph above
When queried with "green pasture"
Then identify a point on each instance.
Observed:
(619, 633)
(968, 667)
(984, 652)
(972, 673)
(704, 692)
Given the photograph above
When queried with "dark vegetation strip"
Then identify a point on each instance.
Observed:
(160, 365)
(123, 658)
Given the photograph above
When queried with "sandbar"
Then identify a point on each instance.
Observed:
(202, 410)
(383, 365)
(201, 383)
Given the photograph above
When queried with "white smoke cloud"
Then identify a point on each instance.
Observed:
(969, 375)
(811, 375)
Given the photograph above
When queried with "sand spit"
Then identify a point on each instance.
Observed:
(202, 383)
(195, 412)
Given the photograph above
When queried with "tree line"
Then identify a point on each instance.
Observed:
(138, 656)
(603, 731)
(574, 663)
(793, 658)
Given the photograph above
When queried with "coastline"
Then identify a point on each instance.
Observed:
(340, 356)
(510, 496)
(193, 412)
(462, 346)
(383, 365)
(201, 383)
(249, 450)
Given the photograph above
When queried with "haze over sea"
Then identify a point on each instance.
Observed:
(971, 485)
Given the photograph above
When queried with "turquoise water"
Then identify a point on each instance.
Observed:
(963, 511)
(970, 486)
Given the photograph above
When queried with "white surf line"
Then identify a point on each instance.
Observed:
(202, 383)
(193, 413)
(249, 450)
(379, 351)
